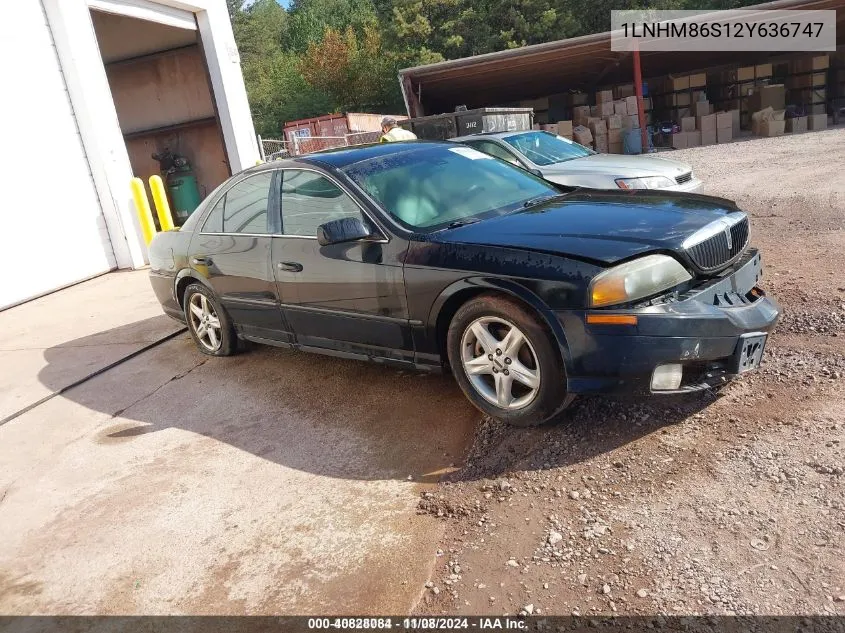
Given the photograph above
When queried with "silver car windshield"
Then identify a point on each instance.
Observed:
(542, 148)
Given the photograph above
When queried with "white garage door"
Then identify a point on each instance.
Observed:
(54, 233)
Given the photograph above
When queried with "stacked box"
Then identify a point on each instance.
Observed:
(620, 107)
(724, 127)
(581, 134)
(623, 90)
(771, 96)
(706, 124)
(817, 121)
(700, 108)
(762, 71)
(768, 122)
(605, 108)
(698, 80)
(796, 125)
(688, 124)
(614, 122)
(564, 129)
(693, 138)
(604, 96)
(580, 114)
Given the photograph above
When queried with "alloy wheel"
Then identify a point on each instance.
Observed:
(500, 363)
(205, 322)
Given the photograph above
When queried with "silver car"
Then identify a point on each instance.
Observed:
(565, 162)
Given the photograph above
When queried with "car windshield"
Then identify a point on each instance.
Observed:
(433, 186)
(542, 148)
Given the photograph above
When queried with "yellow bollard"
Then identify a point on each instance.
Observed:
(165, 219)
(145, 216)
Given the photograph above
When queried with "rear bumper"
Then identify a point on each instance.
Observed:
(164, 287)
(701, 332)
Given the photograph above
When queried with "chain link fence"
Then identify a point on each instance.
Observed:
(274, 149)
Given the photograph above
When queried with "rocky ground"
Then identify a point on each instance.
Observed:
(716, 504)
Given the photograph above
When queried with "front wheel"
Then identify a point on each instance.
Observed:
(506, 362)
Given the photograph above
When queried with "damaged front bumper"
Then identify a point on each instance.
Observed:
(703, 337)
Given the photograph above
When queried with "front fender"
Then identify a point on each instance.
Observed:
(513, 289)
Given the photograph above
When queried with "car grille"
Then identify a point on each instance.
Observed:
(683, 178)
(714, 252)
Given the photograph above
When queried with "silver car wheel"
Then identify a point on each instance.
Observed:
(205, 322)
(500, 363)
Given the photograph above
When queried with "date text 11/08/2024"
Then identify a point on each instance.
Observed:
(423, 623)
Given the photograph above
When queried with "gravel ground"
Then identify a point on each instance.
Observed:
(702, 505)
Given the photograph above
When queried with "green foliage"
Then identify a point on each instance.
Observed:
(323, 56)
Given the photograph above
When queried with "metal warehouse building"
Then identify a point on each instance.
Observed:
(582, 63)
(92, 88)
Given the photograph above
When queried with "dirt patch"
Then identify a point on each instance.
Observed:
(718, 503)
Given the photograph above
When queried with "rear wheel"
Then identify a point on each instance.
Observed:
(506, 362)
(208, 322)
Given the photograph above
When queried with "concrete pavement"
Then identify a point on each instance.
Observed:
(273, 482)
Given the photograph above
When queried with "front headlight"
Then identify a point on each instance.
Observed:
(649, 182)
(637, 279)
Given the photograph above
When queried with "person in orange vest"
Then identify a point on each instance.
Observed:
(391, 132)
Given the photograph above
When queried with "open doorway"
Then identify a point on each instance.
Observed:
(163, 97)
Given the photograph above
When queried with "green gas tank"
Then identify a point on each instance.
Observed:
(184, 194)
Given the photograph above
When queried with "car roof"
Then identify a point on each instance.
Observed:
(344, 156)
(483, 135)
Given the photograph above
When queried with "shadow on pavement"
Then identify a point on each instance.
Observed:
(343, 418)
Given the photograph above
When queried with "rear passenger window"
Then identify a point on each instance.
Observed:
(245, 210)
(214, 221)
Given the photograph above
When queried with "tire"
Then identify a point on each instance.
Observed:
(525, 382)
(202, 308)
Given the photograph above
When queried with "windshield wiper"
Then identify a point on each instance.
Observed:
(459, 223)
(533, 202)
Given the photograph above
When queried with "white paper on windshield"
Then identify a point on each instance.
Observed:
(565, 140)
(469, 152)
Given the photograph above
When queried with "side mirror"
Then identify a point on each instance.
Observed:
(342, 230)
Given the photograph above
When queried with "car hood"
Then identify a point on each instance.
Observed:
(619, 165)
(601, 226)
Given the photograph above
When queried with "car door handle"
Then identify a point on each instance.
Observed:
(293, 267)
(201, 261)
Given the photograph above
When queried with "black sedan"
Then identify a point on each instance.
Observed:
(435, 255)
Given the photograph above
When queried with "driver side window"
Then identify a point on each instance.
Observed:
(494, 149)
(309, 200)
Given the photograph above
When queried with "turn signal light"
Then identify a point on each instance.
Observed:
(611, 319)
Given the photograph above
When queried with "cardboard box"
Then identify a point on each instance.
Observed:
(688, 124)
(796, 125)
(724, 135)
(549, 127)
(772, 96)
(614, 122)
(615, 148)
(564, 128)
(620, 107)
(634, 121)
(699, 95)
(581, 114)
(734, 122)
(606, 108)
(595, 111)
(624, 90)
(762, 71)
(706, 122)
(724, 120)
(598, 127)
(677, 83)
(817, 121)
(604, 96)
(693, 138)
(679, 140)
(601, 145)
(681, 99)
(745, 73)
(708, 137)
(614, 136)
(698, 80)
(700, 108)
(631, 103)
(582, 135)
(768, 122)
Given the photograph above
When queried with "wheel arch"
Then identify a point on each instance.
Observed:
(457, 294)
(185, 278)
